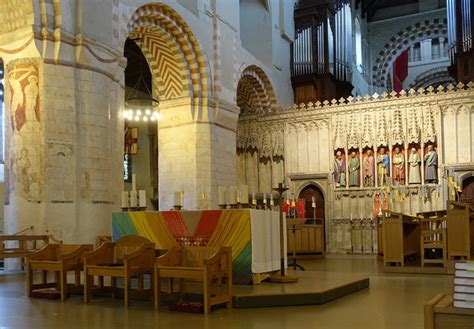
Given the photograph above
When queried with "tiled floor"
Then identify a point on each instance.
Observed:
(391, 302)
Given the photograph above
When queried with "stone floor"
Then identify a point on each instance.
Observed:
(391, 302)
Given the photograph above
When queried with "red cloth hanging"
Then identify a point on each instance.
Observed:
(400, 71)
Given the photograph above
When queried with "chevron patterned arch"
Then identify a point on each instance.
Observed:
(401, 41)
(173, 53)
(254, 91)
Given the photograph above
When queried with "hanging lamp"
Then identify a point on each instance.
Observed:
(140, 105)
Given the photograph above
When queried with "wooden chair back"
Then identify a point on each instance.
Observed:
(129, 244)
(195, 256)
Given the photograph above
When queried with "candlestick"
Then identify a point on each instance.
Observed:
(245, 194)
(178, 201)
(142, 199)
(125, 199)
(133, 199)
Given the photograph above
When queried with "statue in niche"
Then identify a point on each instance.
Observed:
(414, 173)
(354, 165)
(431, 165)
(398, 166)
(368, 168)
(340, 170)
(383, 166)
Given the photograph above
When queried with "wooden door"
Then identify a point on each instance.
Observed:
(307, 194)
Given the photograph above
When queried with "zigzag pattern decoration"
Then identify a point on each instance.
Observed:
(254, 91)
(193, 68)
(164, 61)
(400, 42)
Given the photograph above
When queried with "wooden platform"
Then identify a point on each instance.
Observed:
(313, 288)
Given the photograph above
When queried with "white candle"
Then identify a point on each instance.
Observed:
(178, 201)
(264, 198)
(133, 199)
(233, 194)
(222, 195)
(245, 194)
(142, 198)
(125, 200)
(272, 203)
(313, 202)
(134, 182)
(254, 200)
(239, 196)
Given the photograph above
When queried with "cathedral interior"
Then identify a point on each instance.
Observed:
(328, 142)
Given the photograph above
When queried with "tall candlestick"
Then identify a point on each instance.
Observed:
(142, 199)
(125, 199)
(134, 182)
(178, 201)
(133, 199)
(245, 194)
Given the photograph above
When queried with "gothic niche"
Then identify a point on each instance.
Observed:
(339, 168)
(383, 166)
(414, 164)
(368, 167)
(353, 165)
(398, 165)
(431, 163)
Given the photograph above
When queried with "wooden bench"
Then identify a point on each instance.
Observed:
(58, 258)
(130, 255)
(20, 246)
(210, 265)
(433, 237)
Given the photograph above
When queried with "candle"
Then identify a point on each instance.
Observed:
(254, 200)
(293, 203)
(125, 200)
(222, 195)
(133, 199)
(233, 194)
(272, 203)
(178, 201)
(313, 202)
(239, 196)
(264, 198)
(142, 199)
(134, 182)
(244, 189)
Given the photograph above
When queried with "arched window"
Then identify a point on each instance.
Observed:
(358, 45)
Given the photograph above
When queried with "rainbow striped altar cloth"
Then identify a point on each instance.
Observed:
(254, 235)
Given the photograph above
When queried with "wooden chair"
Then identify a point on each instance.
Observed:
(101, 239)
(20, 246)
(58, 258)
(130, 255)
(433, 238)
(210, 265)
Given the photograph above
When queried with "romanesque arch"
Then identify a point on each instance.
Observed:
(174, 55)
(400, 42)
(254, 91)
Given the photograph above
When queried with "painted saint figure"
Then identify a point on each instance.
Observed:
(339, 170)
(354, 165)
(414, 173)
(431, 166)
(383, 166)
(368, 168)
(398, 166)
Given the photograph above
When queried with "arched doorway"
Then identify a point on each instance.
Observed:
(467, 194)
(308, 193)
(315, 216)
